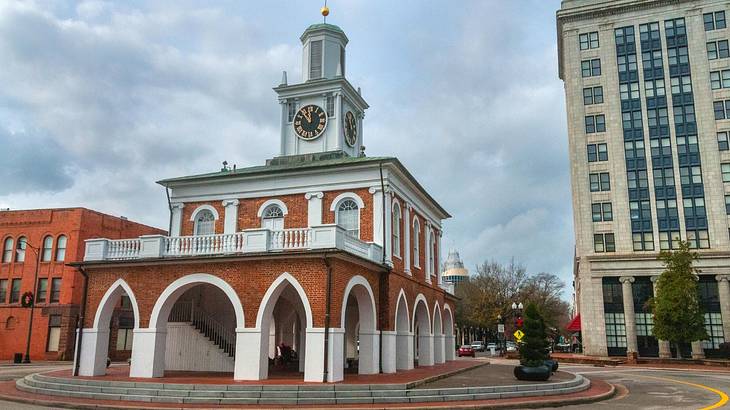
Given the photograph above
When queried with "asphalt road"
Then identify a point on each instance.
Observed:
(641, 388)
(653, 389)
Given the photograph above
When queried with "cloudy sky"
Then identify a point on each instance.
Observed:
(100, 99)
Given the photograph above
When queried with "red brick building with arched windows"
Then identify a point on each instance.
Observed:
(321, 262)
(49, 239)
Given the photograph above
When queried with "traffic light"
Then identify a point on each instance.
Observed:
(519, 322)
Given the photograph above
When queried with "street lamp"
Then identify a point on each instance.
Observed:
(33, 296)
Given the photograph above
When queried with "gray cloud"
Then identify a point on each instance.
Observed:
(32, 162)
(466, 95)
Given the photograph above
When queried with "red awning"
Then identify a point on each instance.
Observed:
(574, 325)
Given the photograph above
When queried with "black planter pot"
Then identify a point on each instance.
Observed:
(535, 374)
(552, 365)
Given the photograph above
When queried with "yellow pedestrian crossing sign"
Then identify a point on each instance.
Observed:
(519, 335)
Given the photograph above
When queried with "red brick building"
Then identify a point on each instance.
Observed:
(54, 237)
(321, 262)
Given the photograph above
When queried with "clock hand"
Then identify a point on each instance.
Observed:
(307, 115)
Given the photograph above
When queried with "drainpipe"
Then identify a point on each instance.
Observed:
(80, 322)
(169, 207)
(384, 278)
(327, 318)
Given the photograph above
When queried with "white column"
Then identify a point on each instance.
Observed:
(148, 353)
(314, 350)
(438, 349)
(377, 214)
(339, 121)
(428, 249)
(425, 350)
(698, 352)
(629, 315)
(250, 362)
(723, 288)
(94, 351)
(176, 216)
(389, 228)
(284, 125)
(369, 362)
(389, 339)
(407, 225)
(404, 347)
(665, 351)
(314, 208)
(231, 217)
(449, 349)
(438, 259)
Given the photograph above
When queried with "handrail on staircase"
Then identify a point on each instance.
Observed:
(217, 332)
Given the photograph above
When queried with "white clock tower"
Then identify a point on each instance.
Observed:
(324, 112)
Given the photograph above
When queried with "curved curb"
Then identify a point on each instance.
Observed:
(513, 405)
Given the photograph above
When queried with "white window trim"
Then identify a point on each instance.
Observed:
(204, 207)
(336, 205)
(347, 195)
(417, 242)
(396, 204)
(200, 209)
(270, 202)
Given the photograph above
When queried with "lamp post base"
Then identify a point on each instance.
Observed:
(26, 359)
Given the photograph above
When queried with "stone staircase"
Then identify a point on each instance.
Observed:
(282, 394)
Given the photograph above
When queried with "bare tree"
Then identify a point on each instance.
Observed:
(494, 287)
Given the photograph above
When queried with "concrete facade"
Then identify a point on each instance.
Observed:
(631, 265)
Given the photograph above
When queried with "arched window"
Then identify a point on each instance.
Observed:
(10, 323)
(348, 217)
(396, 229)
(204, 223)
(20, 249)
(273, 218)
(416, 243)
(47, 249)
(61, 248)
(8, 250)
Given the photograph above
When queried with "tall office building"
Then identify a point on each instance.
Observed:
(647, 87)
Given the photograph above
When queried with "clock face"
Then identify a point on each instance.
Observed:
(350, 128)
(310, 122)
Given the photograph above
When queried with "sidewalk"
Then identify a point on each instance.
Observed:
(646, 362)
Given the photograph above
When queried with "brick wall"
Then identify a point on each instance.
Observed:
(251, 279)
(77, 224)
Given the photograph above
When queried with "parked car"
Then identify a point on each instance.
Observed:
(494, 346)
(478, 345)
(466, 350)
(511, 347)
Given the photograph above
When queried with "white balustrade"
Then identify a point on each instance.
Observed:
(204, 244)
(296, 238)
(124, 249)
(248, 241)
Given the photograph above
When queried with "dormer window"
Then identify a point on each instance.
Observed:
(315, 60)
(273, 218)
(204, 223)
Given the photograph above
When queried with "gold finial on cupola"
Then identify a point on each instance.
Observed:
(325, 11)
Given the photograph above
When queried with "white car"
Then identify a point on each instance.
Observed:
(511, 347)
